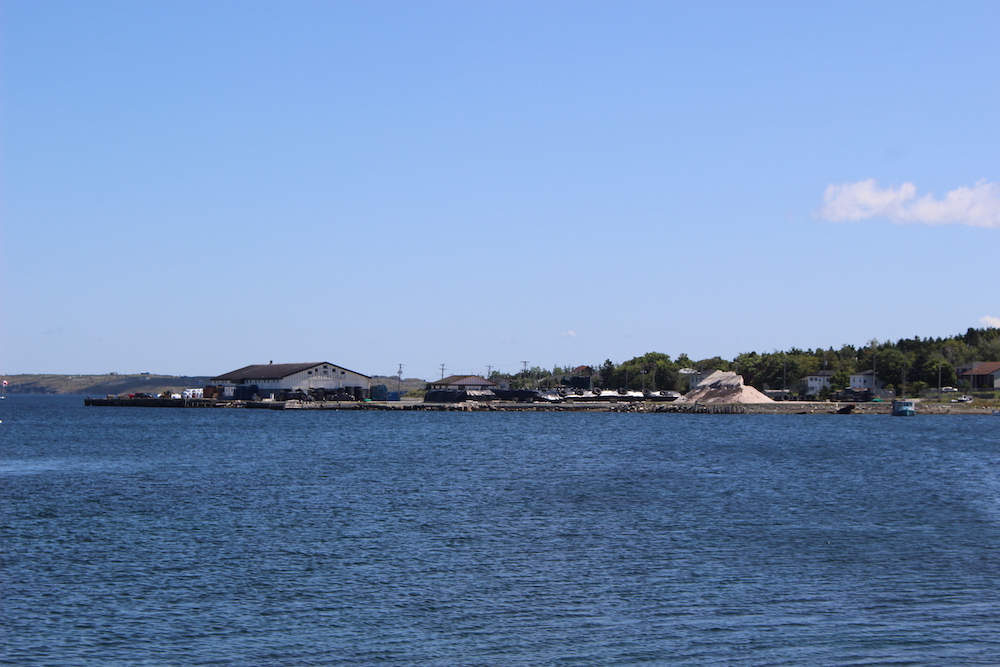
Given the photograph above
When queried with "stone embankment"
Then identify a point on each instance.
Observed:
(777, 407)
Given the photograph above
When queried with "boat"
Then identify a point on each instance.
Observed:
(904, 408)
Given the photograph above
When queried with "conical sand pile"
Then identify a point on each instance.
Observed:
(723, 387)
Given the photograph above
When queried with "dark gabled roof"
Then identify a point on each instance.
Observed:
(270, 371)
(822, 374)
(989, 368)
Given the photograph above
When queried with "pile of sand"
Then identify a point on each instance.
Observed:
(723, 387)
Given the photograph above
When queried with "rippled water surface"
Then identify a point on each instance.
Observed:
(238, 537)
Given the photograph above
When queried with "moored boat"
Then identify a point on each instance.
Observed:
(904, 408)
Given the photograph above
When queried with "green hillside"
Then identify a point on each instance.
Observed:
(100, 385)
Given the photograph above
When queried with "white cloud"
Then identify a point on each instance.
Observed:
(568, 334)
(978, 206)
(989, 321)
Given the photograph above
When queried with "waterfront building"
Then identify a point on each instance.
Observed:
(815, 382)
(462, 383)
(866, 380)
(272, 379)
(983, 376)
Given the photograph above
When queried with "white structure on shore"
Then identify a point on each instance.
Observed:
(816, 382)
(865, 380)
(273, 378)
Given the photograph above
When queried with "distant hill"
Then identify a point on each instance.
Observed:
(408, 385)
(100, 385)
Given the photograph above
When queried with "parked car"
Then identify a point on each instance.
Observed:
(948, 389)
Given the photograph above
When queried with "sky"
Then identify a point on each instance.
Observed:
(191, 187)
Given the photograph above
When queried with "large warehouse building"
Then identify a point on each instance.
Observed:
(273, 379)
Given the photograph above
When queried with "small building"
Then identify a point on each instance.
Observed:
(815, 382)
(581, 377)
(866, 380)
(273, 379)
(462, 383)
(984, 376)
(694, 377)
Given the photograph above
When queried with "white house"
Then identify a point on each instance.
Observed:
(865, 380)
(814, 382)
(274, 378)
(694, 377)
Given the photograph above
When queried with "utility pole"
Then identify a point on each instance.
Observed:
(442, 371)
(874, 374)
(399, 380)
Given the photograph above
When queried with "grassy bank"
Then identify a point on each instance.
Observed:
(100, 385)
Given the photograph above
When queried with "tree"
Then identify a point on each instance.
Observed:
(891, 364)
(713, 364)
(989, 349)
(840, 379)
(607, 373)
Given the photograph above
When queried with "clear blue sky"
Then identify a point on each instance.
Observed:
(190, 187)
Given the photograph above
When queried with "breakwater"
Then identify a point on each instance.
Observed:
(782, 407)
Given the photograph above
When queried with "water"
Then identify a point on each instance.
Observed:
(237, 537)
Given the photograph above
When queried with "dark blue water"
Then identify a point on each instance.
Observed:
(236, 537)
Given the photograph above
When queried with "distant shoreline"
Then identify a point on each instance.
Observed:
(778, 407)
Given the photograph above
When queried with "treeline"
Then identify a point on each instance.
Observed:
(919, 362)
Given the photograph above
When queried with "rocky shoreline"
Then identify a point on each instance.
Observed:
(777, 407)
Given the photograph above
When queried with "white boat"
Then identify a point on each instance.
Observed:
(904, 408)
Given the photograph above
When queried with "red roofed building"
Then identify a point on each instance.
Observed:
(984, 376)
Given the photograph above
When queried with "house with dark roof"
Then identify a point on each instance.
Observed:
(815, 382)
(462, 383)
(984, 376)
(866, 380)
(272, 379)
